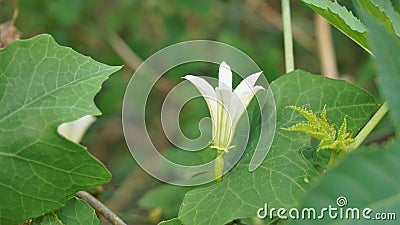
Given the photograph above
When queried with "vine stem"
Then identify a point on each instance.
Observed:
(362, 135)
(367, 129)
(332, 160)
(287, 36)
(100, 208)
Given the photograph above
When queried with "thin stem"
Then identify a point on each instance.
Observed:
(361, 136)
(287, 35)
(123, 50)
(369, 126)
(100, 208)
(131, 59)
(326, 50)
(16, 11)
(332, 160)
(219, 165)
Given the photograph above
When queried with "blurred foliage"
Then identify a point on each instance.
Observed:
(149, 25)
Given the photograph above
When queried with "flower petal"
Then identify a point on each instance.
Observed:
(237, 108)
(207, 91)
(240, 102)
(246, 90)
(75, 130)
(224, 122)
(225, 77)
(243, 94)
(247, 83)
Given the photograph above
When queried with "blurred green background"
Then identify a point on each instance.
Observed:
(124, 32)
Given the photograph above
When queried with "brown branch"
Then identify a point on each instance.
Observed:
(326, 49)
(123, 50)
(15, 13)
(126, 53)
(100, 208)
(128, 190)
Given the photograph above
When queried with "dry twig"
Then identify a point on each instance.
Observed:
(8, 31)
(326, 49)
(100, 208)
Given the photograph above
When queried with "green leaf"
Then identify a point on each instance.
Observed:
(366, 178)
(323, 130)
(342, 19)
(350, 25)
(285, 174)
(386, 48)
(174, 221)
(381, 14)
(350, 178)
(48, 219)
(389, 10)
(75, 212)
(41, 86)
(167, 197)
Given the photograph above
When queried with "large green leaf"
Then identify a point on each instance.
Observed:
(389, 10)
(285, 174)
(380, 11)
(48, 219)
(386, 48)
(174, 221)
(75, 212)
(342, 19)
(367, 178)
(41, 86)
(350, 25)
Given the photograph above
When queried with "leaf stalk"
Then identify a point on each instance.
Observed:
(287, 36)
(367, 129)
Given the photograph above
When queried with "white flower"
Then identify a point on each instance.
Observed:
(226, 106)
(75, 130)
